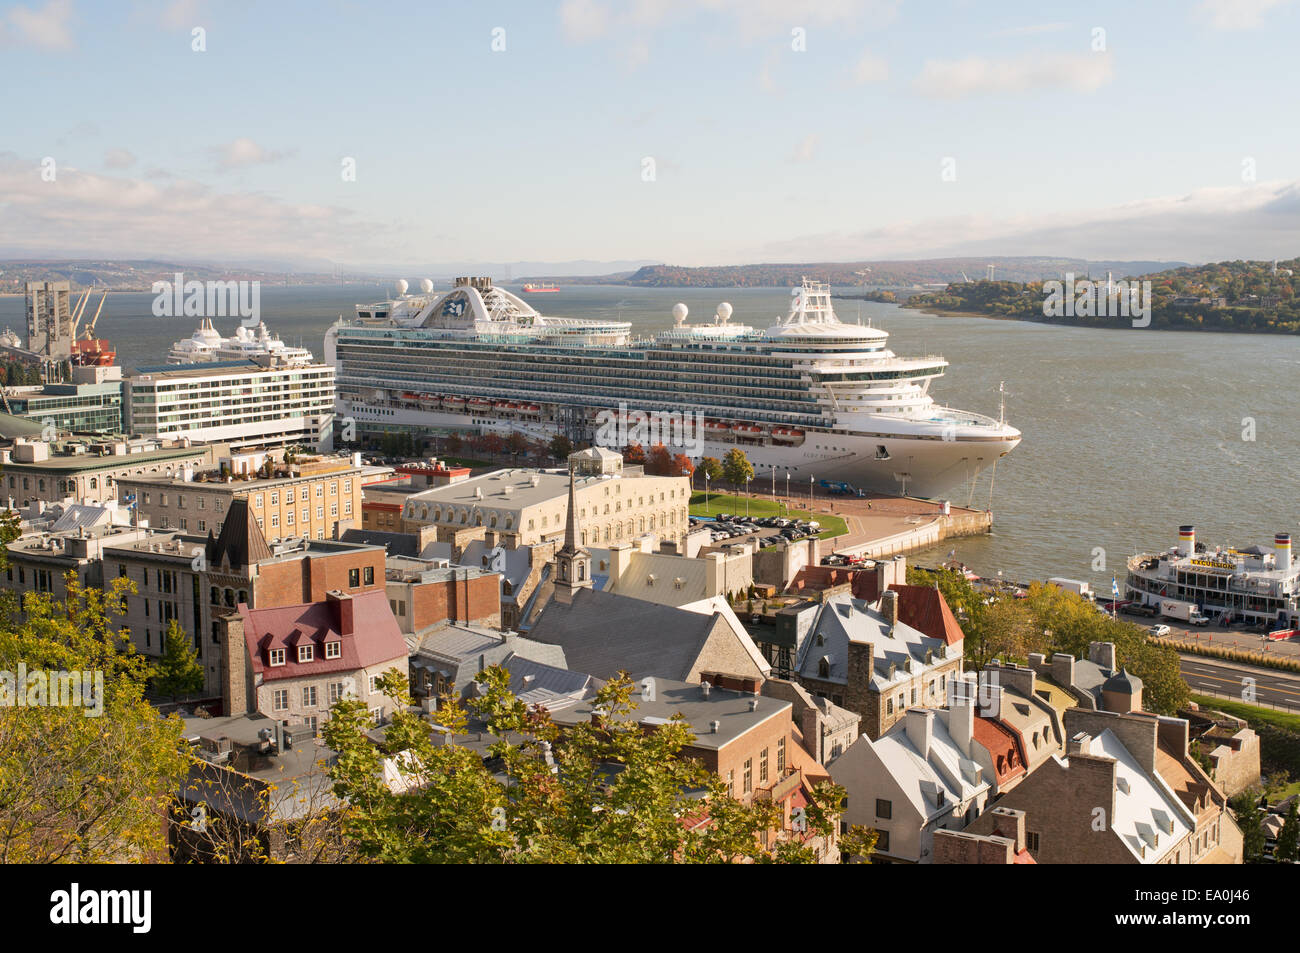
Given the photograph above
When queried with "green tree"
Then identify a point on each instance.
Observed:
(178, 671)
(560, 447)
(1250, 818)
(87, 783)
(711, 468)
(736, 467)
(603, 792)
(1288, 841)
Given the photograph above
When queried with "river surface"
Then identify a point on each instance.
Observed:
(1127, 433)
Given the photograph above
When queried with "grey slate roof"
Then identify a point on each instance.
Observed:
(397, 544)
(602, 633)
(461, 650)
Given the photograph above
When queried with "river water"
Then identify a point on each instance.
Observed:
(1127, 433)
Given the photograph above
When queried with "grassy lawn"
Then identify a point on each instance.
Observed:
(1252, 713)
(758, 506)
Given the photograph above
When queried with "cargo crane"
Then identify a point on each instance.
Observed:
(88, 350)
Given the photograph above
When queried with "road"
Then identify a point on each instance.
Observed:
(1204, 675)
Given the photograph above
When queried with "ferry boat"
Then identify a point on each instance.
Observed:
(206, 344)
(540, 289)
(1250, 585)
(805, 395)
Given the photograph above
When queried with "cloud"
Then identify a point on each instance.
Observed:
(87, 213)
(49, 28)
(955, 79)
(870, 69)
(118, 159)
(244, 152)
(1250, 221)
(805, 150)
(584, 20)
(1236, 14)
(1033, 29)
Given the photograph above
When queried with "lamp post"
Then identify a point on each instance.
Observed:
(706, 492)
(810, 492)
(747, 479)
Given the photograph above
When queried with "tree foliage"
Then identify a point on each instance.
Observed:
(178, 670)
(76, 786)
(593, 793)
(736, 467)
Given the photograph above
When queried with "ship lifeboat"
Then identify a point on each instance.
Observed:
(454, 403)
(717, 427)
(787, 435)
(748, 430)
(530, 408)
(502, 405)
(479, 404)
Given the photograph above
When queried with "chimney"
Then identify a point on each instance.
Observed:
(1063, 668)
(920, 730)
(1080, 743)
(705, 688)
(715, 727)
(889, 607)
(753, 704)
(1282, 551)
(341, 604)
(1103, 654)
(961, 715)
(1187, 541)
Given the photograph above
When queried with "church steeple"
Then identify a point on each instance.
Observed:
(572, 562)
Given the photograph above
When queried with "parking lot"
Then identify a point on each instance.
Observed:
(769, 530)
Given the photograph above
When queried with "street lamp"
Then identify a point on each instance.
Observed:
(706, 492)
(810, 492)
(747, 479)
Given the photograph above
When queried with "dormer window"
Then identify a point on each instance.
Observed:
(275, 657)
(333, 649)
(306, 653)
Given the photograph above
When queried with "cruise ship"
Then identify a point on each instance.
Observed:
(1250, 585)
(206, 344)
(807, 398)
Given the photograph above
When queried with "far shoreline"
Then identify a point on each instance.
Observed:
(941, 313)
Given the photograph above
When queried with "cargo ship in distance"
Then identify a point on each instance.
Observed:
(806, 398)
(540, 289)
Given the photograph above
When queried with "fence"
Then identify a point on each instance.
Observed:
(1289, 707)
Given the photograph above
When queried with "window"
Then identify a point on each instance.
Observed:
(370, 575)
(884, 809)
(748, 776)
(377, 715)
(336, 692)
(275, 499)
(306, 653)
(347, 486)
(276, 656)
(780, 755)
(320, 491)
(280, 699)
(1031, 842)
(333, 649)
(762, 766)
(309, 696)
(203, 526)
(889, 706)
(374, 684)
(354, 578)
(882, 840)
(334, 489)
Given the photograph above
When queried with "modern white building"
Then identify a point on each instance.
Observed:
(248, 403)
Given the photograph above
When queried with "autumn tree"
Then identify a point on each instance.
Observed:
(736, 468)
(604, 791)
(711, 468)
(681, 466)
(87, 783)
(517, 443)
(634, 454)
(659, 461)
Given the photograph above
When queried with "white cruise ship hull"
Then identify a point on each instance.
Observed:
(913, 465)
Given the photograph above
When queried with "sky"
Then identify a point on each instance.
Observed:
(383, 134)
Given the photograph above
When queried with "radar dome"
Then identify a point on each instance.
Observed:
(426, 285)
(679, 312)
(724, 311)
(402, 286)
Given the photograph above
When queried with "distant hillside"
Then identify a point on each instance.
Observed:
(109, 275)
(898, 274)
(1219, 296)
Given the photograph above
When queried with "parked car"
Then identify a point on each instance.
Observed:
(1160, 631)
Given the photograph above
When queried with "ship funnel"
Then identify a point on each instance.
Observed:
(1282, 551)
(1187, 541)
